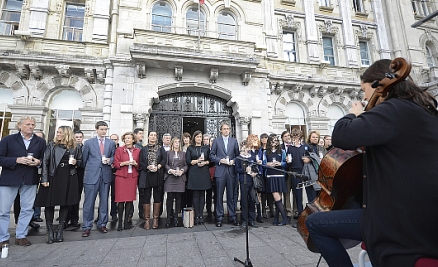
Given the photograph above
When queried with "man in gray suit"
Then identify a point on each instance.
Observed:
(223, 153)
(97, 155)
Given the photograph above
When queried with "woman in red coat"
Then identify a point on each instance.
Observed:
(126, 162)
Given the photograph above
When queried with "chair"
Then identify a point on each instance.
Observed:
(422, 262)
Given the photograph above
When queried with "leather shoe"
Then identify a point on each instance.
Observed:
(294, 225)
(22, 242)
(34, 225)
(37, 219)
(114, 218)
(86, 233)
(75, 224)
(218, 224)
(235, 222)
(103, 230)
(252, 224)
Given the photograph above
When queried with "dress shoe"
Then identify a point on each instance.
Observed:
(294, 225)
(235, 222)
(114, 218)
(103, 230)
(243, 224)
(86, 233)
(22, 242)
(129, 219)
(37, 219)
(75, 224)
(259, 219)
(34, 225)
(252, 224)
(296, 215)
(218, 224)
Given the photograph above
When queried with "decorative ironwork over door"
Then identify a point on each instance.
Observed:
(167, 115)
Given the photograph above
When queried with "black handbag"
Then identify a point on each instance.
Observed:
(258, 182)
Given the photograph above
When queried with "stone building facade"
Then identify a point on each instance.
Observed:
(179, 65)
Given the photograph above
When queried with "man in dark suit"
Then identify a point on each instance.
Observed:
(223, 153)
(20, 154)
(73, 213)
(97, 155)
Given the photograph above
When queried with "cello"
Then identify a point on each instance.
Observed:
(341, 171)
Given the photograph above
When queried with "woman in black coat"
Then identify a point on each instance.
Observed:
(151, 180)
(59, 180)
(197, 157)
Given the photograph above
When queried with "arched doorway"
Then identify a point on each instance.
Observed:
(64, 111)
(187, 112)
(6, 99)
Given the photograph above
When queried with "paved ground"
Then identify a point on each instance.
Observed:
(205, 245)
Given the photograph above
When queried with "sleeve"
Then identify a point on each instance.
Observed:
(143, 161)
(113, 150)
(183, 160)
(117, 158)
(163, 157)
(374, 127)
(5, 161)
(188, 156)
(213, 152)
(78, 156)
(167, 167)
(85, 153)
(45, 164)
(239, 166)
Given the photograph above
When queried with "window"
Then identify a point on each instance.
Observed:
(226, 26)
(324, 3)
(329, 54)
(290, 54)
(429, 57)
(421, 7)
(6, 98)
(162, 17)
(334, 113)
(73, 23)
(358, 6)
(64, 111)
(364, 53)
(10, 18)
(193, 23)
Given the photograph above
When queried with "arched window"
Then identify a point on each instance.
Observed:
(226, 26)
(429, 57)
(6, 98)
(162, 17)
(334, 113)
(195, 20)
(64, 111)
(296, 117)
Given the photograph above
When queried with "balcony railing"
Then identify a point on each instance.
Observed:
(194, 32)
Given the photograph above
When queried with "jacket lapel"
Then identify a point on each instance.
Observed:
(20, 140)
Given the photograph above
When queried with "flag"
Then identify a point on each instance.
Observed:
(199, 1)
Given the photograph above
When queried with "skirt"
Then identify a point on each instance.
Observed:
(276, 183)
(125, 189)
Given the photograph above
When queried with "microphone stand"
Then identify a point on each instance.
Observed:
(245, 163)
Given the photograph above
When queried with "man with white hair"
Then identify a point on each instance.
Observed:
(20, 156)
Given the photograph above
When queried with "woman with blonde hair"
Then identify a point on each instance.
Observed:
(59, 180)
(175, 179)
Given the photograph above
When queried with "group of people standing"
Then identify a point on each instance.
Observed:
(185, 170)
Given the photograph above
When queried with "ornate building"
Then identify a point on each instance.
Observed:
(180, 65)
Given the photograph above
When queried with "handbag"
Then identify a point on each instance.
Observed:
(258, 182)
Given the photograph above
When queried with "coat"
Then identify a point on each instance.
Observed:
(218, 152)
(311, 170)
(92, 161)
(147, 178)
(52, 158)
(11, 148)
(122, 155)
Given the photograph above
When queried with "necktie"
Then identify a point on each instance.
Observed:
(226, 144)
(101, 146)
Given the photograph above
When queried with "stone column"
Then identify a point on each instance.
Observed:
(140, 119)
(311, 32)
(384, 50)
(347, 30)
(101, 19)
(244, 122)
(38, 17)
(108, 93)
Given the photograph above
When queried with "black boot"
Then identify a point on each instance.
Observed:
(50, 235)
(128, 220)
(282, 210)
(175, 220)
(120, 208)
(259, 217)
(60, 232)
(167, 225)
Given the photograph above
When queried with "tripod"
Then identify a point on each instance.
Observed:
(245, 164)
